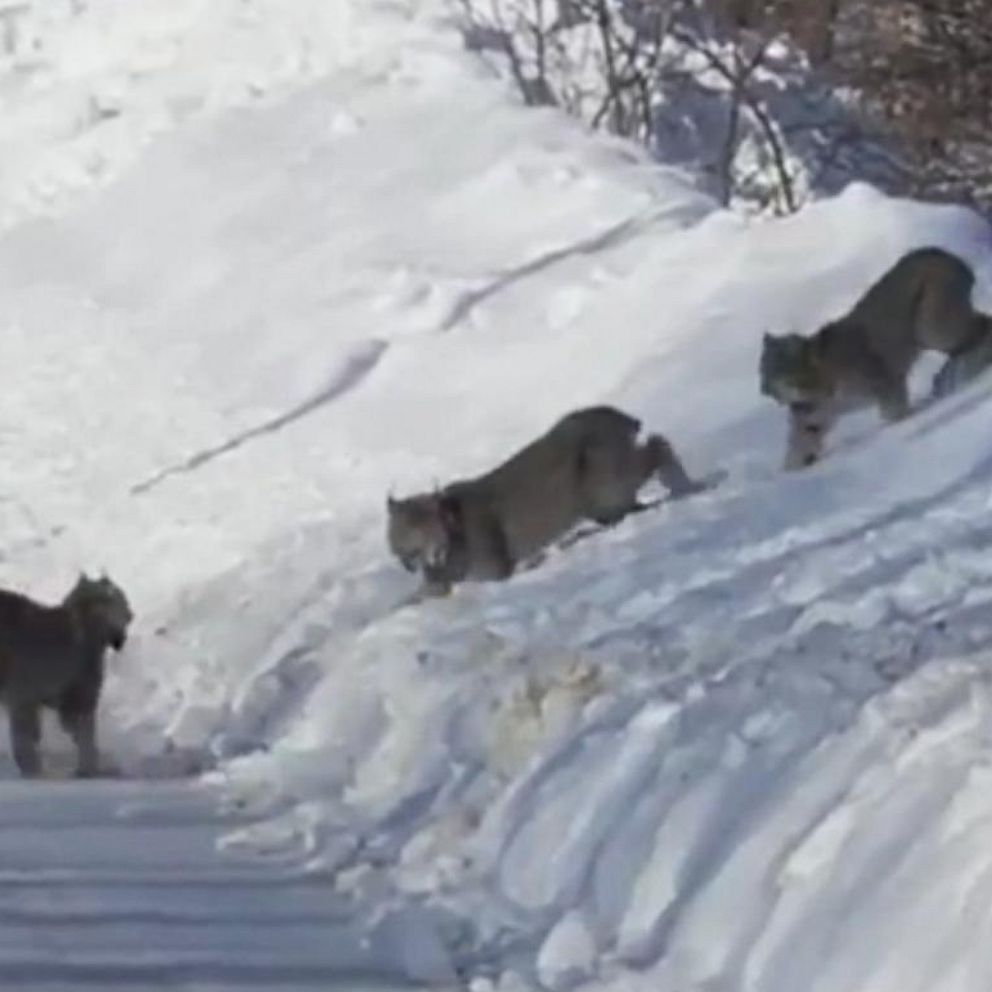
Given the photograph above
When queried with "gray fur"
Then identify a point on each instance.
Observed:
(923, 303)
(588, 466)
(52, 656)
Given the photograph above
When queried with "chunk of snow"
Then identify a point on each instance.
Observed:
(568, 953)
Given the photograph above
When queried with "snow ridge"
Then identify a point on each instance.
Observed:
(737, 743)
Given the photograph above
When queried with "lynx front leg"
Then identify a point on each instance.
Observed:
(491, 551)
(432, 587)
(81, 727)
(808, 426)
(25, 733)
(886, 387)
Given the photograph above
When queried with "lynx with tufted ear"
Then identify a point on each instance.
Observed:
(418, 532)
(923, 303)
(589, 466)
(52, 656)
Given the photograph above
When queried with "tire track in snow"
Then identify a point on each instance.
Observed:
(356, 369)
(615, 235)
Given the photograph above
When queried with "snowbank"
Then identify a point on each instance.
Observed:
(721, 746)
(85, 86)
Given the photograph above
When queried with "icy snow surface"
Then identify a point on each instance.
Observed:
(737, 744)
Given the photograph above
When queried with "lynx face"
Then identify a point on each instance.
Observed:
(103, 608)
(419, 532)
(789, 371)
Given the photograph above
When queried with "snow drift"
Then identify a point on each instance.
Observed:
(739, 743)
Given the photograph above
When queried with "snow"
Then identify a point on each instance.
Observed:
(740, 742)
(86, 86)
(568, 953)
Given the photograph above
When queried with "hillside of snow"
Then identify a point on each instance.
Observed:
(741, 743)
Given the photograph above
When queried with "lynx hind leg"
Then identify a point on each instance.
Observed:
(660, 457)
(808, 428)
(607, 478)
(25, 735)
(613, 475)
(948, 378)
(80, 725)
(962, 367)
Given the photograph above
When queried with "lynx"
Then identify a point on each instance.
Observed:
(588, 466)
(52, 656)
(922, 303)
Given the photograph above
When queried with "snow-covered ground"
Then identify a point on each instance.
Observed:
(738, 744)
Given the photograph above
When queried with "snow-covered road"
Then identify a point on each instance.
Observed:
(127, 885)
(264, 262)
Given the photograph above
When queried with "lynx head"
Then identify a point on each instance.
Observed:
(790, 372)
(421, 530)
(101, 608)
